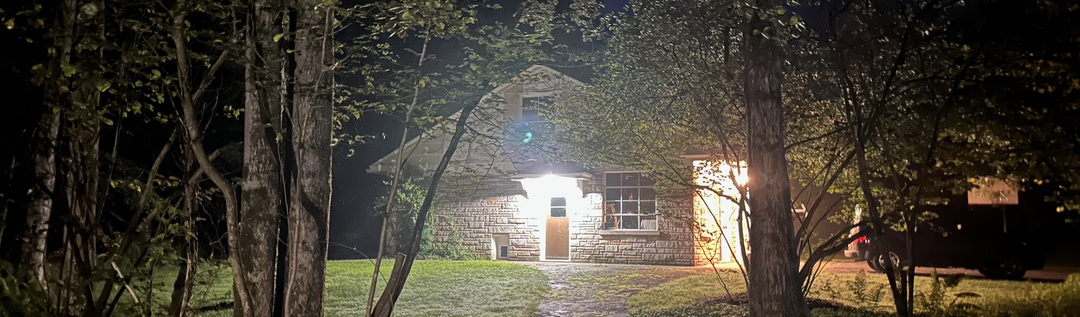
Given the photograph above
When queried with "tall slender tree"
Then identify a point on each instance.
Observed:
(41, 204)
(312, 132)
(262, 200)
(774, 287)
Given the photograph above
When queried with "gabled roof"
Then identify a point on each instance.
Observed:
(430, 148)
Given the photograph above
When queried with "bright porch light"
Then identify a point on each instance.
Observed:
(551, 186)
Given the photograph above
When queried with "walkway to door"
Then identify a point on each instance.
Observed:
(581, 289)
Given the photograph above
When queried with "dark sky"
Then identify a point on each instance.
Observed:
(614, 5)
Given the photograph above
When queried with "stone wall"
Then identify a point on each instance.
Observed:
(496, 207)
(671, 244)
(493, 207)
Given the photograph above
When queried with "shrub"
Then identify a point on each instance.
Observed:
(858, 292)
(1057, 300)
(939, 303)
(451, 248)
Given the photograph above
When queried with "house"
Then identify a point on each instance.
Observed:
(500, 201)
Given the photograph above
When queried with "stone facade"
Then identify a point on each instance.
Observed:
(501, 207)
(671, 244)
(492, 208)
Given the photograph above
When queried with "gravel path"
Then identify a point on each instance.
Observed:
(580, 289)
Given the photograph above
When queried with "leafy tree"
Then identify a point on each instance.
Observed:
(106, 70)
(672, 84)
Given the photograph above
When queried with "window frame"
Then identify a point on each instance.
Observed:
(539, 115)
(619, 216)
(552, 207)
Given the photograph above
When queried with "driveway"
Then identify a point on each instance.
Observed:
(1044, 275)
(584, 289)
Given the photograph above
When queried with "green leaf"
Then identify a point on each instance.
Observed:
(104, 86)
(156, 74)
(278, 138)
(67, 69)
(278, 37)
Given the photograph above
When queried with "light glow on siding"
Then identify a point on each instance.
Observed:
(536, 207)
(716, 211)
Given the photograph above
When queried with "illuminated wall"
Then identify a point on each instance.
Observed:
(536, 207)
(716, 212)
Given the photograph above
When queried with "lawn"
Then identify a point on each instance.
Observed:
(869, 294)
(435, 288)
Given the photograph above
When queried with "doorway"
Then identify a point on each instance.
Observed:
(557, 245)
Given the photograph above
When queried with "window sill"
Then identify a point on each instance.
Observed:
(624, 232)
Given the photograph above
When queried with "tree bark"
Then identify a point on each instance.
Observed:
(40, 208)
(393, 288)
(775, 286)
(309, 205)
(261, 199)
(193, 138)
(185, 276)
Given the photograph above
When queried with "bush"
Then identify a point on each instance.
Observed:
(938, 302)
(858, 291)
(1057, 300)
(19, 295)
(452, 248)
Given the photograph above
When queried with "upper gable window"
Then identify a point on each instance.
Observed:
(531, 109)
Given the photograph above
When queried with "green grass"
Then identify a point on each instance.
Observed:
(682, 297)
(434, 288)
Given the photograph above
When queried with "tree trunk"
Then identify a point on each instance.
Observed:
(185, 276)
(874, 211)
(388, 218)
(396, 283)
(309, 205)
(40, 208)
(193, 138)
(84, 141)
(262, 199)
(775, 287)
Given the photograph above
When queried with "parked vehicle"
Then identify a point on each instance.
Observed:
(964, 237)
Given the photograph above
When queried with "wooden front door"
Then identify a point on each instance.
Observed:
(558, 233)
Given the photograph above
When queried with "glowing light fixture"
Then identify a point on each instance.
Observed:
(551, 186)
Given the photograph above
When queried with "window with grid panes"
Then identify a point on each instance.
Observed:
(629, 202)
(531, 110)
